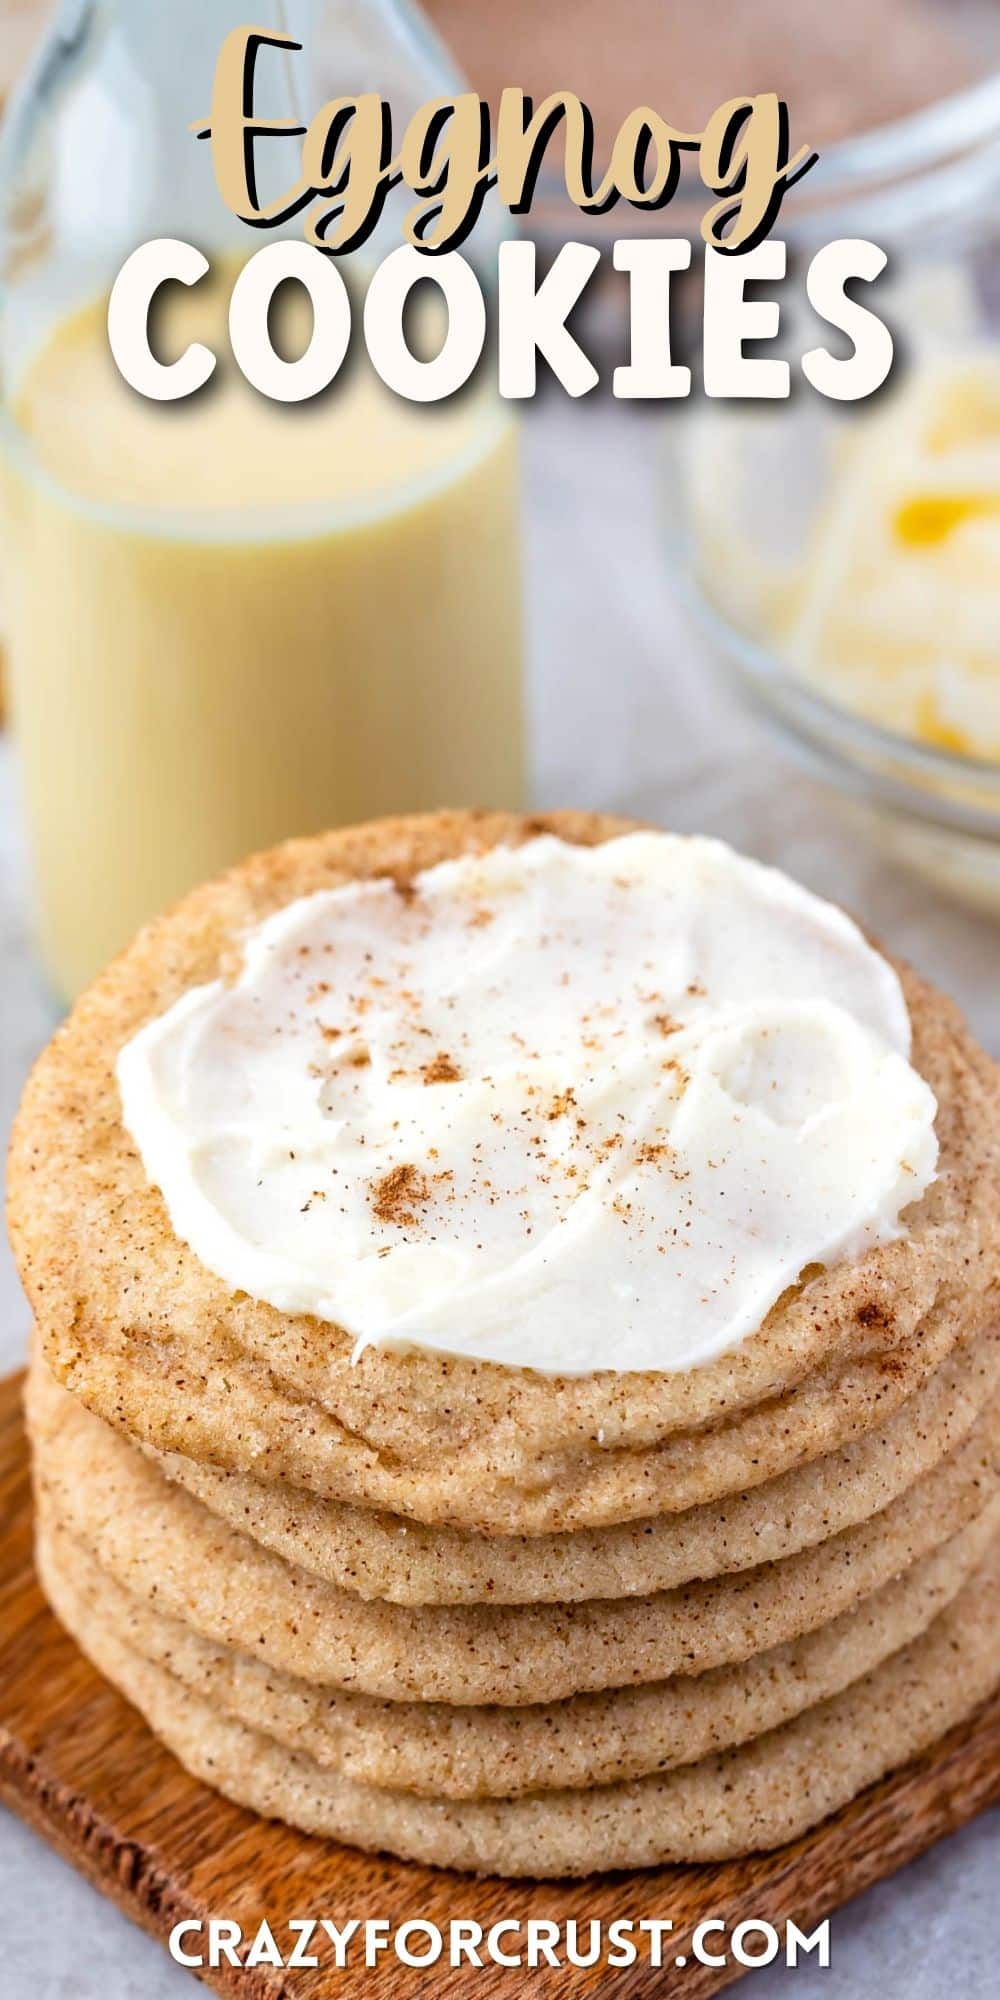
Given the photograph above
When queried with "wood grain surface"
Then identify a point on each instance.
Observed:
(78, 1764)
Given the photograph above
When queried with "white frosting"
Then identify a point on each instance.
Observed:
(566, 1108)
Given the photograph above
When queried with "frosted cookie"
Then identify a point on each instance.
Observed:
(760, 1796)
(437, 1750)
(174, 1343)
(160, 1542)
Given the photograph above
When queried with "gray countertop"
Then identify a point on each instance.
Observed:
(627, 716)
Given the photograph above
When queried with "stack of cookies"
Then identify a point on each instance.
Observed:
(485, 1615)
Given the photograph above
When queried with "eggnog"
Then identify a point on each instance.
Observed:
(230, 621)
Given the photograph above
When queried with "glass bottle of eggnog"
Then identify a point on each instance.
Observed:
(226, 620)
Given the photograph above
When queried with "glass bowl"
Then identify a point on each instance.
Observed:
(934, 809)
(843, 561)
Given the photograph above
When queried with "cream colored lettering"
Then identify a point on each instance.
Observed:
(743, 156)
(234, 129)
(523, 136)
(444, 157)
(345, 154)
(642, 134)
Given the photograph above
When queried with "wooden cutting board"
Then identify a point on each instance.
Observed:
(78, 1764)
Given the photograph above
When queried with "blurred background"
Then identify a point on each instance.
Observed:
(229, 623)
